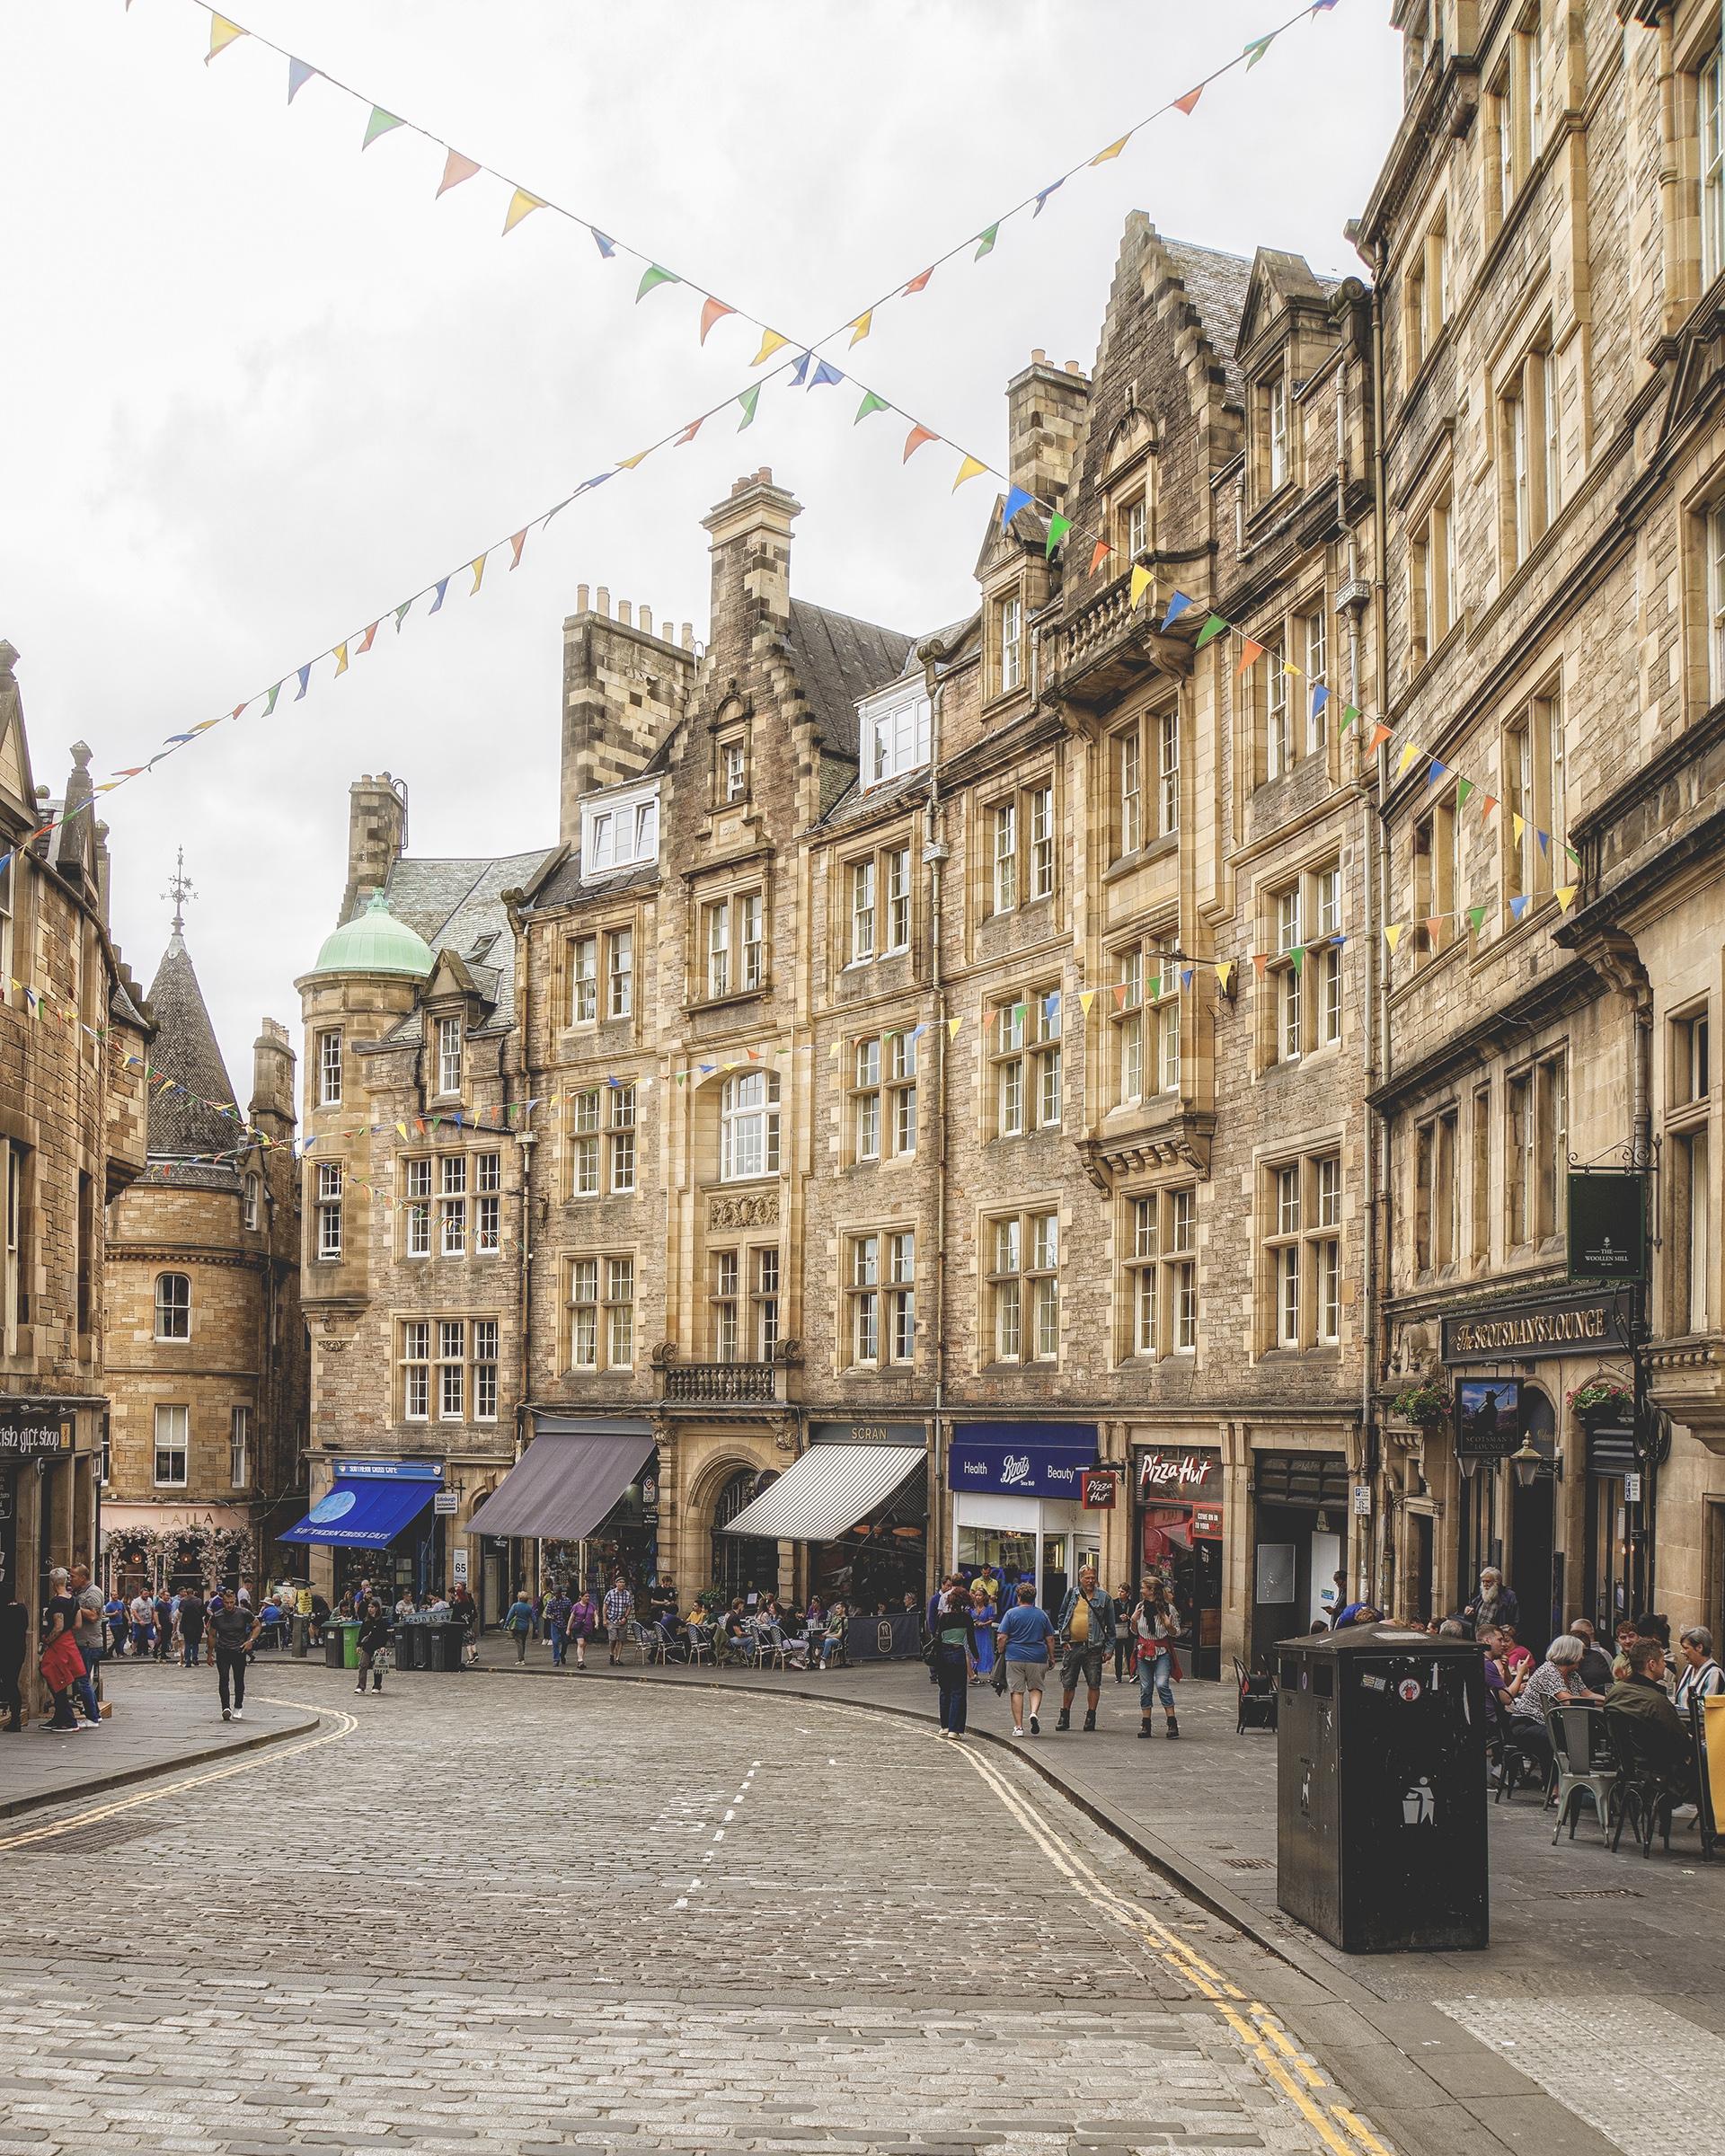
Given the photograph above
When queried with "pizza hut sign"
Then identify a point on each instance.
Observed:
(1098, 1491)
(1179, 1478)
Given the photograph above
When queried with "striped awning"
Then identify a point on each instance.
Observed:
(830, 1488)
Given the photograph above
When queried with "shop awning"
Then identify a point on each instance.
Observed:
(364, 1514)
(566, 1481)
(830, 1488)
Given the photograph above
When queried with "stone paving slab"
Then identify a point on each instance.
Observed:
(162, 1719)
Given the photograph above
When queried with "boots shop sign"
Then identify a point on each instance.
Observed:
(1179, 1478)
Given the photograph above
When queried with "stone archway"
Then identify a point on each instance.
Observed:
(713, 1487)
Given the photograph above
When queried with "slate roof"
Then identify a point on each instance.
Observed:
(455, 905)
(1216, 284)
(564, 886)
(185, 1050)
(839, 659)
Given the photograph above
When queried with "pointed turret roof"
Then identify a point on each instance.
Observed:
(185, 1051)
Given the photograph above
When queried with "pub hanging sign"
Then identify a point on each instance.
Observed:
(1608, 1224)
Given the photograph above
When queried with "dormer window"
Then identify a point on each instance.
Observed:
(619, 834)
(896, 737)
(1009, 621)
(449, 1039)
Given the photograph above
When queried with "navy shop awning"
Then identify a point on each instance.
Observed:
(364, 1514)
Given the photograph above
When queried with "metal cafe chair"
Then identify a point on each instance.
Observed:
(1585, 1765)
(1256, 1699)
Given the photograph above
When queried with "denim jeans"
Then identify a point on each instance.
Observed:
(1155, 1679)
(85, 1685)
(558, 1635)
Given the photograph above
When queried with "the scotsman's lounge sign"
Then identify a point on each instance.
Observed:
(1558, 1326)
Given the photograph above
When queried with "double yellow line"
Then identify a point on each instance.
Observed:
(1262, 2037)
(260, 1756)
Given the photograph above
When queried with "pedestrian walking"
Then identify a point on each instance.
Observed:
(982, 1617)
(557, 1614)
(1024, 1635)
(142, 1615)
(88, 1635)
(1086, 1627)
(192, 1627)
(233, 1629)
(518, 1622)
(952, 1644)
(163, 1609)
(119, 1622)
(15, 1637)
(61, 1664)
(1155, 1628)
(619, 1609)
(583, 1623)
(373, 1648)
(1122, 1633)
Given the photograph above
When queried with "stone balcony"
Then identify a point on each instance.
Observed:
(725, 1385)
(1106, 649)
(1166, 1132)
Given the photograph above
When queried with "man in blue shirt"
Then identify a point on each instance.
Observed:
(1022, 1636)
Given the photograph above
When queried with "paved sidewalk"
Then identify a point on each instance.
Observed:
(1568, 1923)
(163, 1718)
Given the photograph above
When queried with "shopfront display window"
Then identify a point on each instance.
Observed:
(1006, 1557)
(1179, 1544)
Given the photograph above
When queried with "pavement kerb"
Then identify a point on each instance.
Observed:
(1161, 1856)
(95, 1785)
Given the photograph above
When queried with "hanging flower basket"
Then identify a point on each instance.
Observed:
(1602, 1400)
(1426, 1403)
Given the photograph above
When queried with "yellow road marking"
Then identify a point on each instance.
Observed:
(258, 1756)
(1340, 2130)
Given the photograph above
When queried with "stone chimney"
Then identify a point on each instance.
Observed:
(623, 691)
(376, 832)
(272, 1080)
(751, 560)
(1045, 414)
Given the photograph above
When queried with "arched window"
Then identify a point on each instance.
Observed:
(173, 1306)
(249, 1203)
(749, 1127)
(742, 1562)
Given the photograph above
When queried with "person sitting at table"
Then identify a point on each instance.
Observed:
(815, 1615)
(1556, 1682)
(732, 1637)
(1596, 1664)
(833, 1640)
(1663, 1732)
(1517, 1660)
(1700, 1677)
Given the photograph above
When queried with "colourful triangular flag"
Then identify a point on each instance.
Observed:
(1394, 931)
(271, 704)
(1297, 957)
(1098, 554)
(1059, 526)
(1566, 895)
(299, 73)
(442, 587)
(1177, 604)
(521, 205)
(401, 613)
(478, 567)
(1476, 918)
(824, 377)
(1409, 753)
(380, 123)
(222, 34)
(365, 643)
(456, 169)
(1224, 973)
(304, 678)
(861, 327)
(1320, 697)
(1186, 104)
(1141, 580)
(1464, 787)
(1052, 188)
(516, 545)
(653, 276)
(1256, 50)
(1517, 823)
(1518, 907)
(340, 659)
(1435, 931)
(800, 371)
(1112, 151)
(1488, 802)
(1380, 735)
(1214, 626)
(750, 399)
(607, 247)
(969, 469)
(920, 282)
(1086, 997)
(711, 311)
(1435, 770)
(915, 439)
(870, 403)
(771, 342)
(688, 433)
(1259, 959)
(985, 244)
(1017, 498)
(1251, 652)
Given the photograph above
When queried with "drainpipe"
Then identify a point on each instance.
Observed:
(526, 1139)
(934, 859)
(1380, 1223)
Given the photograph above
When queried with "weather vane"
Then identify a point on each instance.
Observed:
(179, 888)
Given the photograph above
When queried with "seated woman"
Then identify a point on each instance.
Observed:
(833, 1643)
(1556, 1682)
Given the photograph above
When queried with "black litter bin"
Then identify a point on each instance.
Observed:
(332, 1647)
(443, 1647)
(1380, 1837)
(301, 1630)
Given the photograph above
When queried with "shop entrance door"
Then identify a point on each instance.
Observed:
(1420, 1586)
(1529, 1569)
(1606, 1583)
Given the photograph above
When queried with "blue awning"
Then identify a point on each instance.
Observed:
(364, 1514)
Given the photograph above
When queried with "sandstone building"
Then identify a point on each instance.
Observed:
(205, 1345)
(73, 1030)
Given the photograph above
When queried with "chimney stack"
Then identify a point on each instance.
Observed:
(376, 832)
(1045, 410)
(750, 534)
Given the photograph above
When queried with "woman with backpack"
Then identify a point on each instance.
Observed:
(1155, 1630)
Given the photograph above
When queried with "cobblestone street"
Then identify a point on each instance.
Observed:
(518, 1917)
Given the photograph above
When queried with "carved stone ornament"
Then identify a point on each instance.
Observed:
(744, 1209)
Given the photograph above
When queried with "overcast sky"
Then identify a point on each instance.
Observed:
(258, 387)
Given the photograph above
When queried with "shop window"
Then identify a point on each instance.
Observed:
(621, 1139)
(1161, 1274)
(749, 1127)
(1534, 797)
(173, 1306)
(329, 1209)
(328, 1070)
(239, 1447)
(173, 1438)
(1302, 1244)
(1024, 1064)
(1023, 1286)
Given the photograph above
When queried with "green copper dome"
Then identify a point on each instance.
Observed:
(376, 942)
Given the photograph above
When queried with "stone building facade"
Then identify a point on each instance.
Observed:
(1548, 239)
(205, 1345)
(73, 1032)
